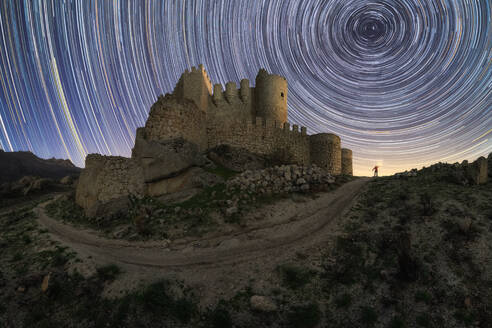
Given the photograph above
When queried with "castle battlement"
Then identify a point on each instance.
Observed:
(195, 118)
(254, 118)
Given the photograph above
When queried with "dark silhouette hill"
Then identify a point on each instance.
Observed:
(15, 165)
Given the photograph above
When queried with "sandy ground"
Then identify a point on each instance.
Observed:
(216, 265)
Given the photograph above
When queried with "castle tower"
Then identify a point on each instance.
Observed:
(347, 161)
(271, 96)
(195, 86)
(326, 152)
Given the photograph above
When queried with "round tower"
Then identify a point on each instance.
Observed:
(347, 161)
(271, 96)
(326, 152)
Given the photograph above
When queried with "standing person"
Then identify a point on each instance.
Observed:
(375, 169)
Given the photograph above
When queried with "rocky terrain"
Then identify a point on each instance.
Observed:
(284, 246)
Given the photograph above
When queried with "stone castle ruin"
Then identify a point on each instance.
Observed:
(196, 118)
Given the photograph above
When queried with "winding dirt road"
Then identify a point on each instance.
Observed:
(267, 241)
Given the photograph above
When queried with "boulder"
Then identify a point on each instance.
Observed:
(191, 178)
(174, 184)
(67, 180)
(262, 304)
(165, 159)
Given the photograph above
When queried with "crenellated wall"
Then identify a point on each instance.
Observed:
(197, 117)
(246, 117)
(264, 137)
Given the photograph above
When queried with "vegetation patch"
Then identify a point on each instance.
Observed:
(294, 276)
(304, 316)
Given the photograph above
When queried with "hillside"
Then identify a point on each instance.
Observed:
(410, 250)
(15, 165)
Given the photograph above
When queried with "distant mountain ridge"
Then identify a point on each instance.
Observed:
(15, 165)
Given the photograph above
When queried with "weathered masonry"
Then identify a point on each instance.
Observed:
(196, 117)
(254, 118)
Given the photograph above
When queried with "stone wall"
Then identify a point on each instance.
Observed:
(171, 117)
(106, 180)
(347, 161)
(195, 118)
(233, 104)
(261, 137)
(281, 179)
(325, 149)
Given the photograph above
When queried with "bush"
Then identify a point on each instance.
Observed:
(423, 296)
(304, 316)
(108, 272)
(423, 320)
(220, 317)
(157, 299)
(427, 203)
(397, 322)
(294, 277)
(343, 301)
(368, 316)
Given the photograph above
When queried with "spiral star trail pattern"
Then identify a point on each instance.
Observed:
(404, 83)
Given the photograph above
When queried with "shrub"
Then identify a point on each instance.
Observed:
(368, 316)
(397, 322)
(423, 296)
(343, 301)
(294, 277)
(423, 320)
(304, 316)
(108, 272)
(427, 203)
(220, 317)
(157, 299)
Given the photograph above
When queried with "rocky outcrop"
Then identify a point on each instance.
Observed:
(164, 159)
(281, 179)
(25, 186)
(236, 159)
(194, 177)
(463, 173)
(156, 169)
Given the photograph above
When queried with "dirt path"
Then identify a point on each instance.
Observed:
(247, 246)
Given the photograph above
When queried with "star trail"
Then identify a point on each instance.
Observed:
(404, 83)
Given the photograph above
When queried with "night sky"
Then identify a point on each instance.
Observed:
(404, 83)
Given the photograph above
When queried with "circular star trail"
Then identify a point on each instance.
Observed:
(404, 83)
